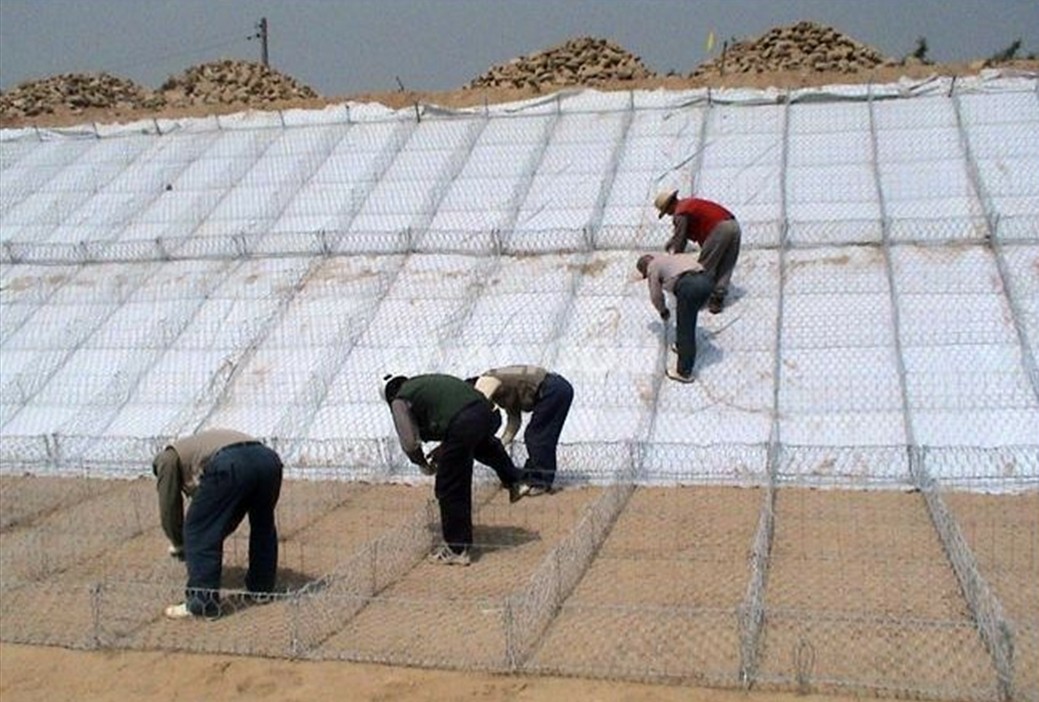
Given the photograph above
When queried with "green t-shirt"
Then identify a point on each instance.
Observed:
(435, 400)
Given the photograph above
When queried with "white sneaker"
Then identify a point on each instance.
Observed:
(445, 556)
(675, 375)
(517, 491)
(178, 611)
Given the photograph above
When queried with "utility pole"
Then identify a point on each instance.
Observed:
(262, 36)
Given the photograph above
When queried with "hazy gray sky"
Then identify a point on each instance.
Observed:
(339, 47)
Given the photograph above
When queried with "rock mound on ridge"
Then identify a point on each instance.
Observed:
(75, 92)
(232, 82)
(588, 61)
(220, 83)
(805, 46)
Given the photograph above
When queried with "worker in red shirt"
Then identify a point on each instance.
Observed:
(713, 228)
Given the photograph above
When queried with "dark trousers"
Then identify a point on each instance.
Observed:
(544, 427)
(691, 293)
(469, 436)
(719, 254)
(238, 480)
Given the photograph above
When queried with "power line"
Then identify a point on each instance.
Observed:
(153, 59)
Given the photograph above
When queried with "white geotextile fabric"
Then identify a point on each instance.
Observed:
(263, 270)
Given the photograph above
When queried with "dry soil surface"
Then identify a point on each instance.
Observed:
(30, 674)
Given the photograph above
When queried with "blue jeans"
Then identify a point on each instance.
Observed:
(546, 424)
(691, 293)
(238, 480)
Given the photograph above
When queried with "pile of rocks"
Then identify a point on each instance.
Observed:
(230, 82)
(805, 46)
(76, 92)
(224, 82)
(582, 61)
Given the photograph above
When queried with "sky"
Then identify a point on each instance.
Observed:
(342, 47)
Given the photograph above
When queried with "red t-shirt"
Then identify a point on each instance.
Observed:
(703, 216)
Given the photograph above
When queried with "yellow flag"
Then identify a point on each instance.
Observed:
(710, 41)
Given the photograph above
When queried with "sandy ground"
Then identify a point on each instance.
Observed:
(30, 674)
(672, 556)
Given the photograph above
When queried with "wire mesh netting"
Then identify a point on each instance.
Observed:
(847, 498)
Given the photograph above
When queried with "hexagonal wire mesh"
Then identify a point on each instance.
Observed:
(704, 534)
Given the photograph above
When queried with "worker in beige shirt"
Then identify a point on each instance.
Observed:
(547, 396)
(227, 475)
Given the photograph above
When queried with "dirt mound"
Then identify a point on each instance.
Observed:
(583, 61)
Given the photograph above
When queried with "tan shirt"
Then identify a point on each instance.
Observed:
(178, 468)
(515, 390)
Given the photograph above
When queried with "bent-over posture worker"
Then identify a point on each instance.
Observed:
(710, 225)
(227, 475)
(683, 275)
(438, 407)
(547, 396)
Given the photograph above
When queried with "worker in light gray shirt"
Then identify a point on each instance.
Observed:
(227, 475)
(684, 276)
(547, 396)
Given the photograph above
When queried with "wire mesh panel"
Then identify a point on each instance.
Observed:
(266, 271)
(868, 568)
(566, 189)
(455, 617)
(28, 165)
(1023, 289)
(741, 167)
(923, 138)
(967, 362)
(840, 376)
(23, 499)
(659, 600)
(75, 205)
(1006, 158)
(999, 533)
(831, 185)
(53, 542)
(656, 151)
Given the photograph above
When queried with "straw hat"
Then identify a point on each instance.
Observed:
(663, 201)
